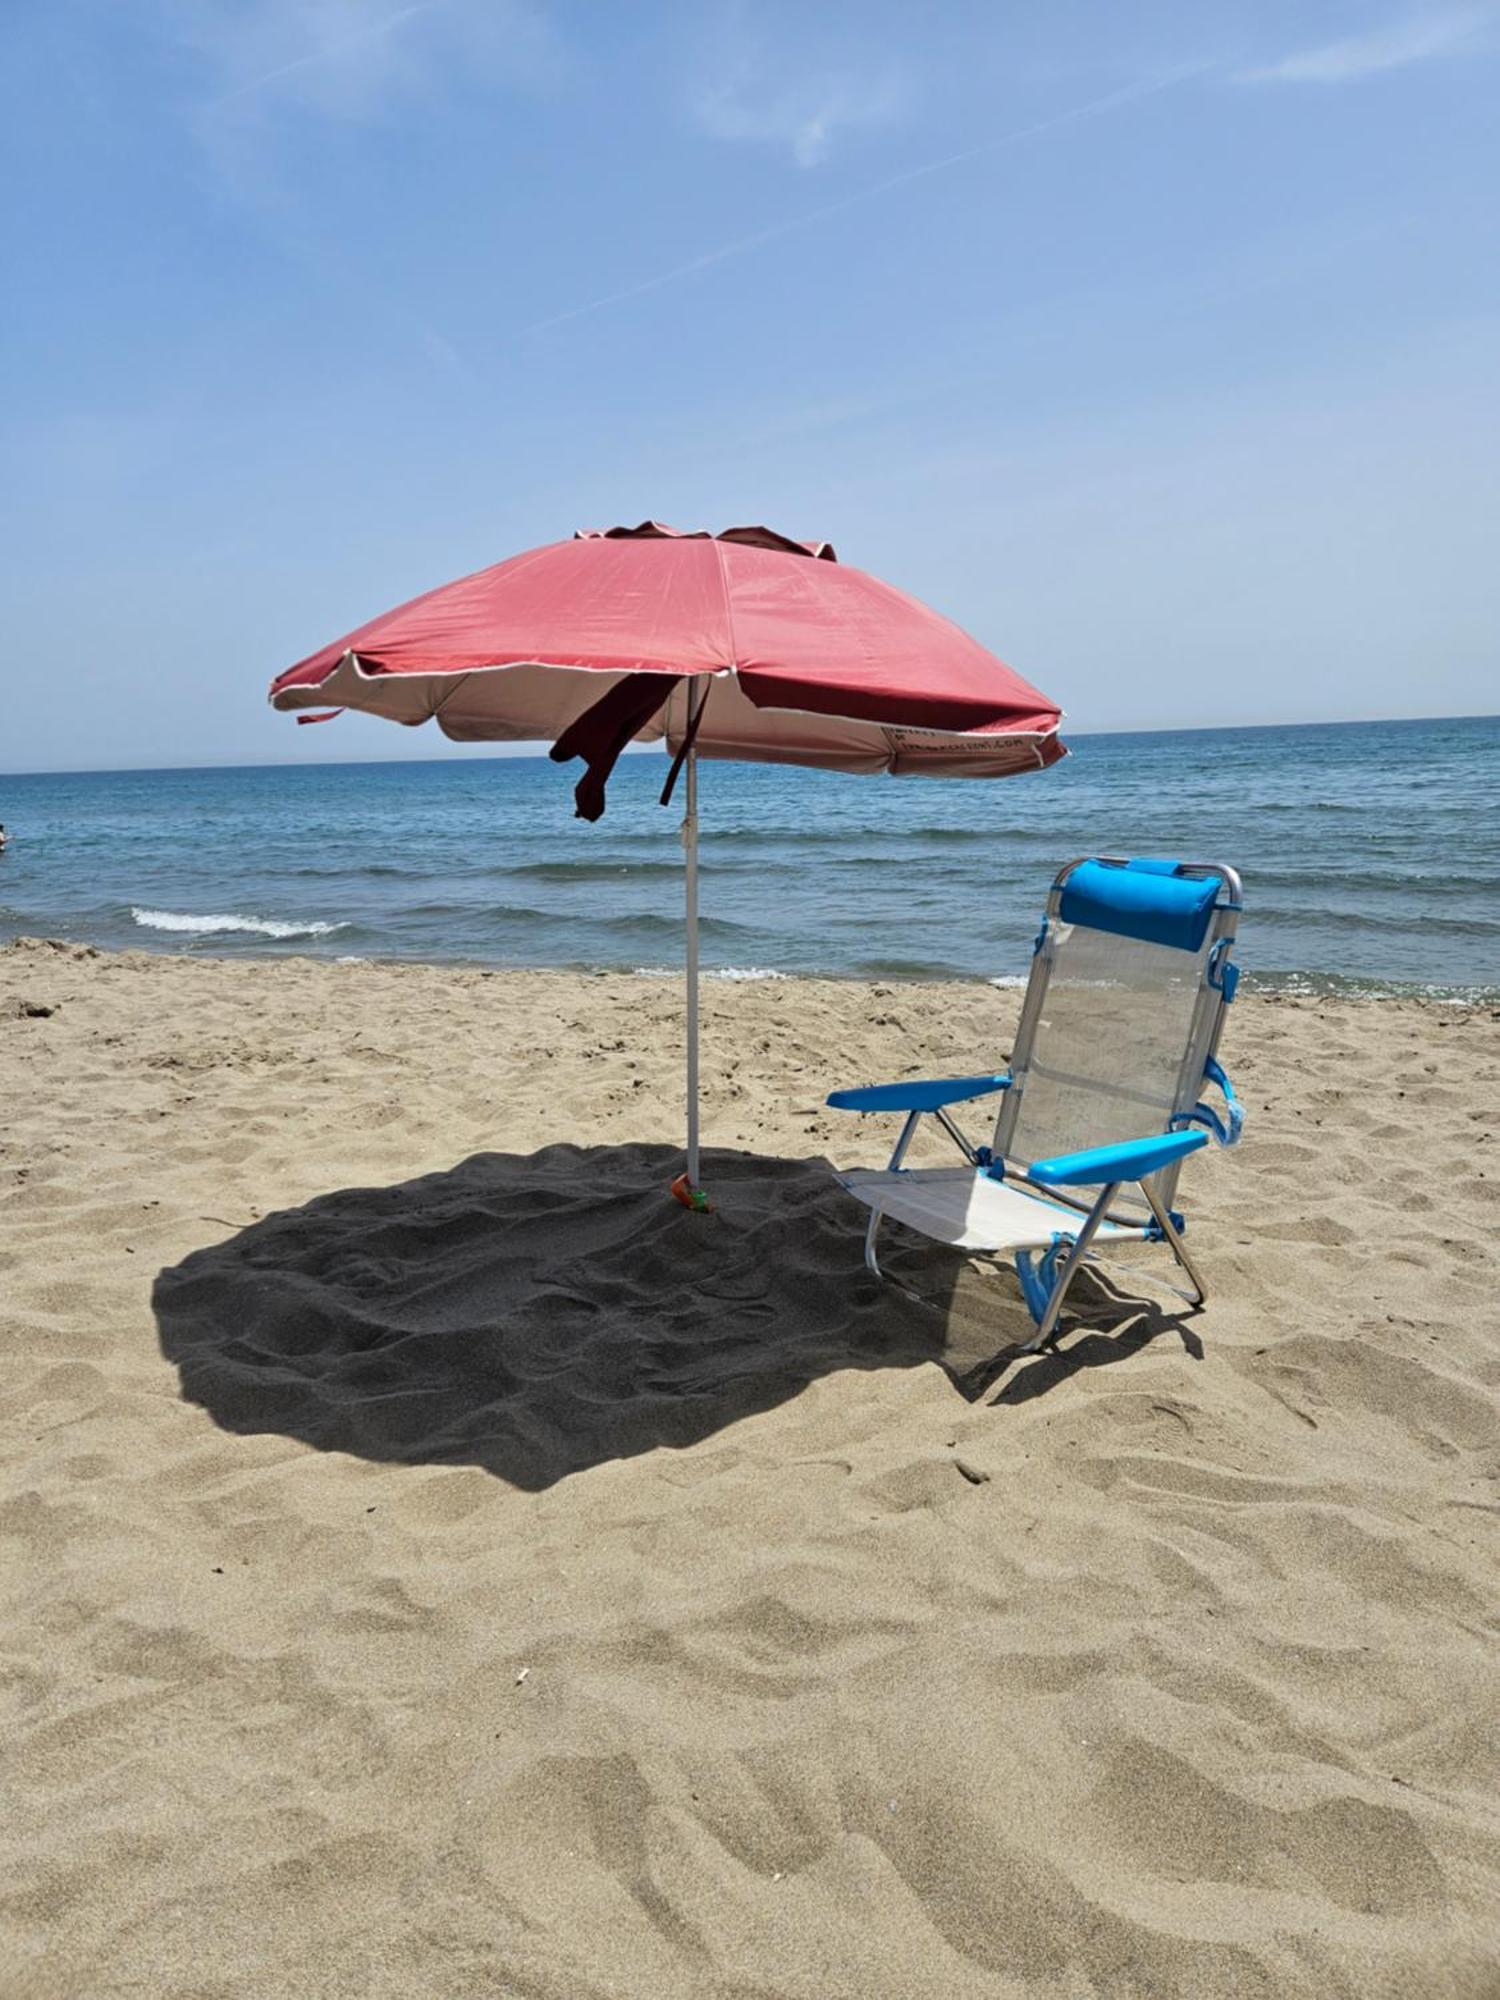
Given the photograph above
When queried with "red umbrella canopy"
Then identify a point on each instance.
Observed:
(757, 647)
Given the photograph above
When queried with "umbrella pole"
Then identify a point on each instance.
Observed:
(690, 894)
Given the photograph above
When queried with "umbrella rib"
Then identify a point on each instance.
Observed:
(460, 681)
(734, 650)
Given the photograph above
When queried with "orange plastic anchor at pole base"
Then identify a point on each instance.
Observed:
(691, 1197)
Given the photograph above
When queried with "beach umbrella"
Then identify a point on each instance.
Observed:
(743, 645)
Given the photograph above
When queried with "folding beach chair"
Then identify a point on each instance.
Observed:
(1117, 1041)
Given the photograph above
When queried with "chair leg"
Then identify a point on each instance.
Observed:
(872, 1262)
(908, 1130)
(1172, 1237)
(1065, 1277)
(903, 1140)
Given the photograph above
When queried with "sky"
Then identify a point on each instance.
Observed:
(1158, 345)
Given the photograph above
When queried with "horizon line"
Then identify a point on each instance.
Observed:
(655, 749)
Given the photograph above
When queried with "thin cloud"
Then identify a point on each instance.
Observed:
(265, 72)
(1413, 40)
(349, 59)
(330, 52)
(803, 118)
(1094, 108)
(755, 86)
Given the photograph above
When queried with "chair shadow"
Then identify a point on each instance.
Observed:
(538, 1315)
(1117, 1327)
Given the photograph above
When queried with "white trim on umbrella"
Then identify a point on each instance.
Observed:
(315, 694)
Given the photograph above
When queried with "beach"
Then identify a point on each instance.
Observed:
(438, 1564)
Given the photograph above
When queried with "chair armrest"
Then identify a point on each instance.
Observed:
(918, 1096)
(1130, 1161)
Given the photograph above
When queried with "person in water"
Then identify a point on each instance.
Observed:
(4, 836)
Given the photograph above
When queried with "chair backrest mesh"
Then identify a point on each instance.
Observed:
(1114, 1035)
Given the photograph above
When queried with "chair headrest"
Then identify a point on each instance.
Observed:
(1146, 899)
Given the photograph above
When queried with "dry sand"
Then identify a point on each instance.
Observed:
(436, 1564)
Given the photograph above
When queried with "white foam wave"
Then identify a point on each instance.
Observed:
(732, 972)
(1009, 979)
(271, 927)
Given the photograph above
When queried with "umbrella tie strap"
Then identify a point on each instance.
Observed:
(688, 741)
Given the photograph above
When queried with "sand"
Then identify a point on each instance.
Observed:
(436, 1564)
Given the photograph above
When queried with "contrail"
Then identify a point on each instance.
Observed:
(369, 34)
(805, 221)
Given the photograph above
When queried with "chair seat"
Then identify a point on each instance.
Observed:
(964, 1207)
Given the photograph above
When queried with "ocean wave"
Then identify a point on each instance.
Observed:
(917, 970)
(331, 865)
(593, 871)
(479, 912)
(729, 972)
(858, 835)
(1367, 921)
(195, 926)
(653, 924)
(1299, 984)
(1300, 806)
(1346, 877)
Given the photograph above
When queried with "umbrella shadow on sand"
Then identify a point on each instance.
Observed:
(534, 1316)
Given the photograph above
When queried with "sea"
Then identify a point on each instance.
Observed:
(1370, 854)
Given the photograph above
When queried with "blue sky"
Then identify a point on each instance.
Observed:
(1156, 344)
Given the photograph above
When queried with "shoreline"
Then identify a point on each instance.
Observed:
(1259, 985)
(1369, 864)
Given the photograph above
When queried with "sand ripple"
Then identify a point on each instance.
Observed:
(437, 1565)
